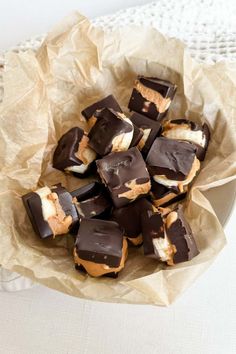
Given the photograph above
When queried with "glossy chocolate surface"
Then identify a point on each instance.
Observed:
(100, 241)
(64, 155)
(107, 102)
(92, 200)
(172, 158)
(119, 169)
(107, 127)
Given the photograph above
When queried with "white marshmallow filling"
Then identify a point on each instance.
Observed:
(77, 168)
(122, 142)
(48, 206)
(193, 136)
(164, 249)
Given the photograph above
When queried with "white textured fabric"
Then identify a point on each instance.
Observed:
(208, 27)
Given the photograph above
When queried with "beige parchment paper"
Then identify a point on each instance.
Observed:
(44, 95)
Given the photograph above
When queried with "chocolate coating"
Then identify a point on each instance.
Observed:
(144, 123)
(137, 136)
(100, 241)
(160, 192)
(107, 127)
(67, 147)
(107, 102)
(200, 150)
(181, 236)
(152, 227)
(64, 155)
(138, 103)
(33, 206)
(129, 217)
(171, 158)
(119, 169)
(92, 200)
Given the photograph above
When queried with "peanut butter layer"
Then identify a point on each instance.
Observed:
(164, 200)
(135, 189)
(161, 103)
(91, 122)
(96, 269)
(59, 223)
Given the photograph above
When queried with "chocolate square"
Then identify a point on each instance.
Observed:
(126, 176)
(129, 217)
(92, 200)
(187, 130)
(107, 129)
(72, 152)
(100, 241)
(152, 97)
(180, 235)
(171, 158)
(107, 102)
(150, 129)
(33, 206)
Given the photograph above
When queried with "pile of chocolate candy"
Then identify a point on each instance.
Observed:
(144, 165)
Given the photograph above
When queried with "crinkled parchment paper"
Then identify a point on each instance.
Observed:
(44, 95)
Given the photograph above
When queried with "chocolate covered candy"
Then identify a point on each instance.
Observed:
(152, 97)
(107, 102)
(92, 200)
(163, 196)
(184, 129)
(113, 131)
(150, 129)
(172, 163)
(168, 238)
(72, 153)
(51, 211)
(100, 247)
(180, 236)
(129, 219)
(126, 176)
